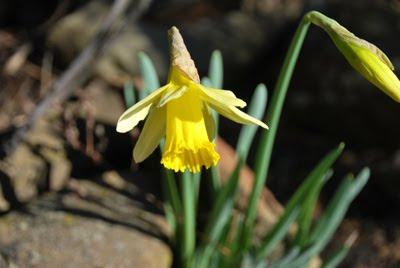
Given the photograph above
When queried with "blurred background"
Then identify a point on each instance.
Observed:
(69, 190)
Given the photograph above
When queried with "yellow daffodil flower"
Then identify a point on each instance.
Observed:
(181, 111)
(365, 57)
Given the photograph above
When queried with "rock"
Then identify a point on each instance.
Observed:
(94, 224)
(39, 164)
(25, 180)
(43, 162)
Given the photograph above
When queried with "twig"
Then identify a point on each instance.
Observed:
(80, 69)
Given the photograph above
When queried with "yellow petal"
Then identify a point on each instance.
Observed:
(219, 95)
(209, 121)
(171, 93)
(187, 143)
(234, 113)
(153, 131)
(131, 117)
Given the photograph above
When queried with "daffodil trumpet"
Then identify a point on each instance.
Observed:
(181, 111)
(365, 57)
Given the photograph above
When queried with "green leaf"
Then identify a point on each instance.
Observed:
(256, 109)
(216, 69)
(129, 94)
(286, 259)
(335, 212)
(205, 81)
(215, 181)
(149, 74)
(171, 194)
(196, 177)
(169, 215)
(333, 209)
(277, 233)
(172, 201)
(218, 218)
(232, 245)
(337, 257)
(314, 178)
(307, 209)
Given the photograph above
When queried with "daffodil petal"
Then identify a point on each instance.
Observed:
(208, 121)
(153, 131)
(171, 93)
(131, 117)
(220, 95)
(236, 115)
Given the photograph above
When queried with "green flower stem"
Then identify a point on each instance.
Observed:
(268, 136)
(189, 220)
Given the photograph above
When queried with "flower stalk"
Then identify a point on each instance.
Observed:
(267, 140)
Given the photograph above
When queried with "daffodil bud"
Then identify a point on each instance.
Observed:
(365, 57)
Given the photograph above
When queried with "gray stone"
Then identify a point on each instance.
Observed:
(96, 224)
(38, 164)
